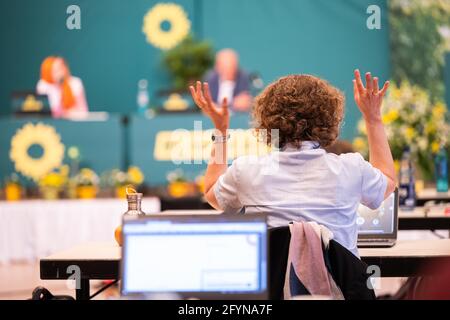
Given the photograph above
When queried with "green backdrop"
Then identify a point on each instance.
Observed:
(141, 136)
(110, 52)
(101, 143)
(328, 38)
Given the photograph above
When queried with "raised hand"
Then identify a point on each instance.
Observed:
(369, 98)
(202, 98)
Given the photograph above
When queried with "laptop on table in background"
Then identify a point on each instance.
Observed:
(378, 228)
(212, 257)
(30, 103)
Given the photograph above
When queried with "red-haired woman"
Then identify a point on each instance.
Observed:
(65, 92)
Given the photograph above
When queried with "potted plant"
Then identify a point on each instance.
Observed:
(86, 182)
(51, 184)
(188, 62)
(179, 186)
(120, 180)
(13, 188)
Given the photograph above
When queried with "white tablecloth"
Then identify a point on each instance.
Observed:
(34, 229)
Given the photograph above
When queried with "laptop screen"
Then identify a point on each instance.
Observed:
(28, 102)
(194, 255)
(381, 221)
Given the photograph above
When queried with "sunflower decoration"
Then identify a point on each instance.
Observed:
(47, 139)
(172, 15)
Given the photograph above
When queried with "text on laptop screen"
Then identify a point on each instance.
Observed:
(379, 221)
(164, 256)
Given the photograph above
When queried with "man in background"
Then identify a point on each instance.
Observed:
(227, 80)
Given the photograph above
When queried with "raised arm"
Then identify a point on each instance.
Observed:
(369, 100)
(221, 119)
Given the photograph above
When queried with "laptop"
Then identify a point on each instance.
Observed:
(378, 228)
(202, 256)
(30, 103)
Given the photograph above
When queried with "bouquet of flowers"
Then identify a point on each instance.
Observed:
(176, 175)
(86, 182)
(119, 180)
(86, 177)
(179, 185)
(411, 120)
(13, 188)
(51, 184)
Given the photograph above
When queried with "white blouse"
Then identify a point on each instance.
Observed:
(54, 92)
(306, 184)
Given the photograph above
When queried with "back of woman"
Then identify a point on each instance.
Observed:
(299, 115)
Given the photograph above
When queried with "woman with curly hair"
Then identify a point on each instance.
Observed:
(301, 115)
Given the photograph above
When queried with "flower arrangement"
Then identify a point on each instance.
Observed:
(55, 179)
(411, 120)
(51, 184)
(13, 188)
(86, 177)
(176, 175)
(86, 182)
(119, 180)
(135, 176)
(179, 185)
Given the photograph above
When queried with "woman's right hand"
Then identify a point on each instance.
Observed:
(202, 98)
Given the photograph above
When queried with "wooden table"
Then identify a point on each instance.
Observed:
(101, 261)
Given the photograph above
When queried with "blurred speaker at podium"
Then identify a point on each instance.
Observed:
(228, 80)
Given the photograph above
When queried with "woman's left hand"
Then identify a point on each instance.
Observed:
(369, 98)
(202, 98)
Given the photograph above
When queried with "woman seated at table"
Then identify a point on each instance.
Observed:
(301, 181)
(65, 92)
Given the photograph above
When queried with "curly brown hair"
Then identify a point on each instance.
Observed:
(302, 108)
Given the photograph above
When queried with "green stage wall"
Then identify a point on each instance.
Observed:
(101, 143)
(110, 52)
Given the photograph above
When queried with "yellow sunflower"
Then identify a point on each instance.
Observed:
(172, 14)
(44, 136)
